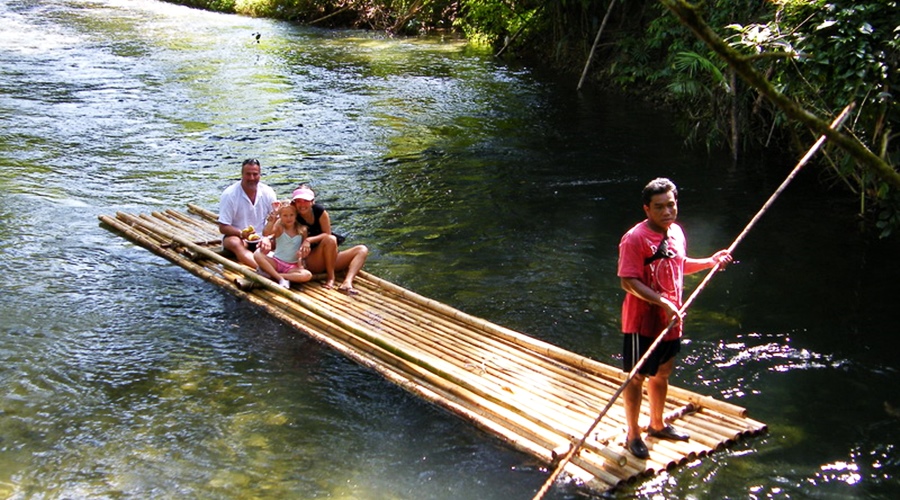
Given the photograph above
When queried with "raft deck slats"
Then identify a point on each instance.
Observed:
(536, 397)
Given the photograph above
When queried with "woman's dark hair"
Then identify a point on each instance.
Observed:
(660, 185)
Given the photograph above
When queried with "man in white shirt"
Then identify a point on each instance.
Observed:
(245, 203)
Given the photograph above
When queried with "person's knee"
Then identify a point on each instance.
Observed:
(329, 243)
(636, 381)
(662, 375)
(232, 243)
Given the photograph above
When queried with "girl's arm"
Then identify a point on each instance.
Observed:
(270, 235)
(303, 250)
(305, 244)
(271, 222)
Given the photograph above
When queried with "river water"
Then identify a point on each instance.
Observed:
(496, 189)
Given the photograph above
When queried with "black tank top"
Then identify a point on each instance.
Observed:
(315, 228)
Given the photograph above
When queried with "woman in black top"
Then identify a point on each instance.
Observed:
(320, 248)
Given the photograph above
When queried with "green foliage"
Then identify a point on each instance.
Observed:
(849, 51)
(484, 21)
(888, 218)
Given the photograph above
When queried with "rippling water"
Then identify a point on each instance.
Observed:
(496, 189)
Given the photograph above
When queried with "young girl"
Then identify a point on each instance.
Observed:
(284, 263)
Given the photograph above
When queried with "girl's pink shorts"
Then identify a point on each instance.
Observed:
(284, 267)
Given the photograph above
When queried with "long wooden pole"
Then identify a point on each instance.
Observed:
(587, 64)
(574, 449)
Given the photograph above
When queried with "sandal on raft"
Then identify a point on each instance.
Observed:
(349, 290)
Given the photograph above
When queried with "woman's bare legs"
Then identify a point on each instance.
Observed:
(352, 260)
(323, 258)
(326, 258)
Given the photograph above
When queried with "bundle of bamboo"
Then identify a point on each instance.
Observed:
(536, 397)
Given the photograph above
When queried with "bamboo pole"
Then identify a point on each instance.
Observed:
(204, 213)
(430, 388)
(461, 336)
(607, 454)
(587, 64)
(534, 405)
(212, 231)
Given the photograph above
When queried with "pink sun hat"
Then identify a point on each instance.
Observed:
(303, 193)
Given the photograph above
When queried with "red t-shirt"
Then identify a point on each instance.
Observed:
(665, 276)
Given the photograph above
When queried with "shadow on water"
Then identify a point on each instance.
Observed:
(494, 189)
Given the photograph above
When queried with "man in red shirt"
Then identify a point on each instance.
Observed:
(652, 264)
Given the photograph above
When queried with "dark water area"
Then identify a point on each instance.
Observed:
(496, 189)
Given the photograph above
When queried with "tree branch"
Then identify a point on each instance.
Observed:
(688, 15)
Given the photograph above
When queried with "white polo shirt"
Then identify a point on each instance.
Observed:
(236, 209)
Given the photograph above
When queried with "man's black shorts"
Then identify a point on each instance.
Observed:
(634, 346)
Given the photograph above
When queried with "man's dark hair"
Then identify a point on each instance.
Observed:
(250, 161)
(660, 185)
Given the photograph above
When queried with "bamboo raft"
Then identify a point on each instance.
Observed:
(536, 397)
